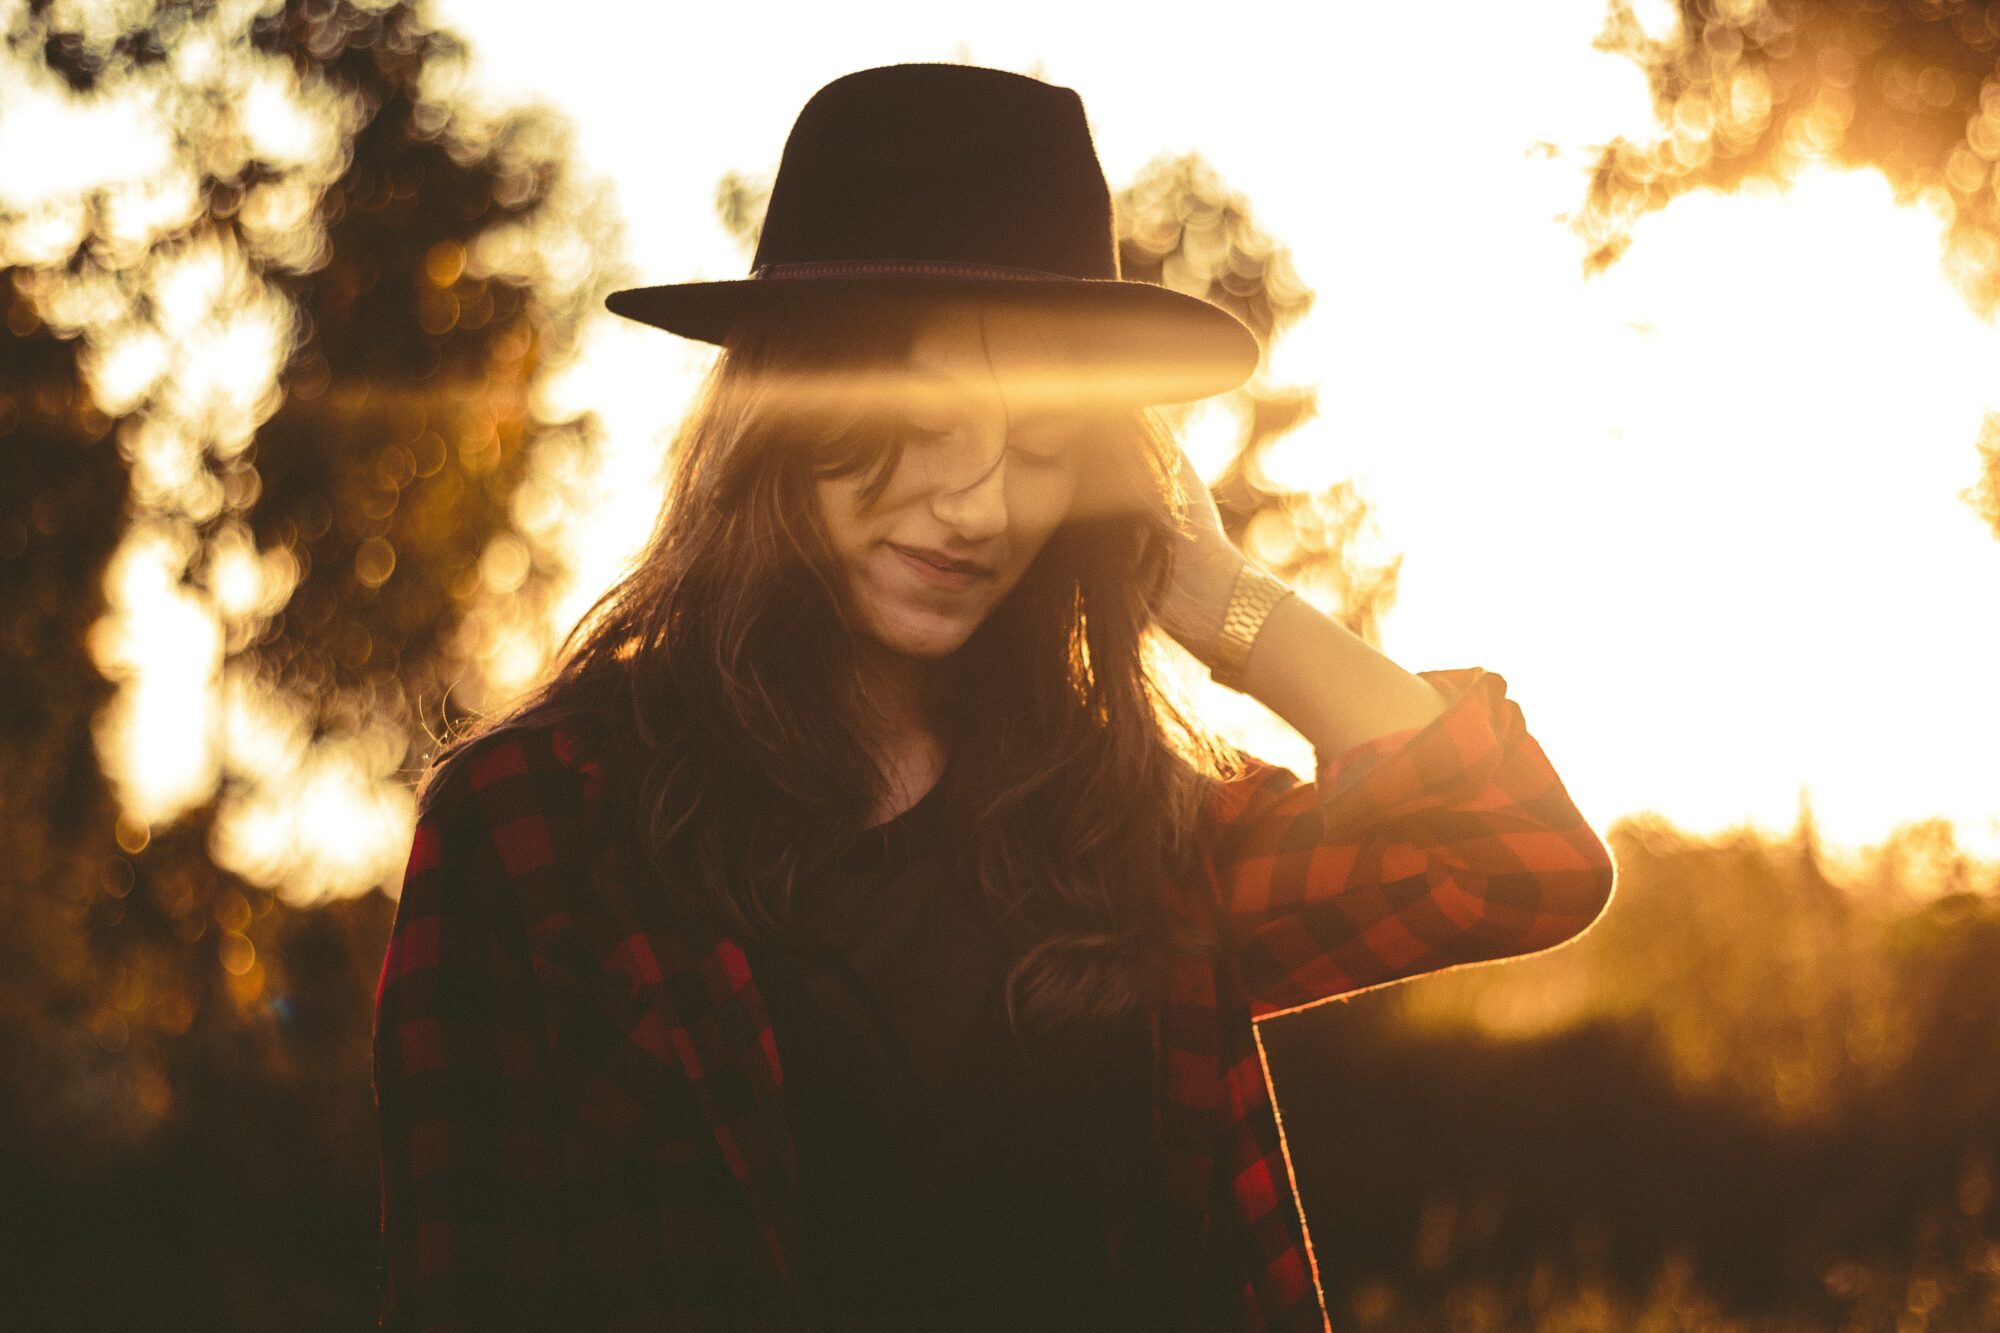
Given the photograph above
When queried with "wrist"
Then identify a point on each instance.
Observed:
(1255, 596)
(1198, 600)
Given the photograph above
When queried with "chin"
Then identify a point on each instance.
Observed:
(934, 640)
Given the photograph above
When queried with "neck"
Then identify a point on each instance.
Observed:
(898, 696)
(899, 711)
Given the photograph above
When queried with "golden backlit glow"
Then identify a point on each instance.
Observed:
(1752, 574)
(1702, 511)
(1744, 445)
(162, 644)
(183, 334)
(59, 146)
(1211, 434)
(1811, 533)
(1708, 471)
(320, 819)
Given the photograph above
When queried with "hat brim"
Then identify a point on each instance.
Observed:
(1142, 342)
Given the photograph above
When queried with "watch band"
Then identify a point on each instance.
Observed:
(1251, 599)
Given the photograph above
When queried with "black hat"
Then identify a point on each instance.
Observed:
(935, 180)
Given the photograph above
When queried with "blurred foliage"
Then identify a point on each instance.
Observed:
(289, 366)
(1181, 226)
(1756, 90)
(1745, 1099)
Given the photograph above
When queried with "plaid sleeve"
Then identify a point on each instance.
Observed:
(469, 1160)
(1416, 851)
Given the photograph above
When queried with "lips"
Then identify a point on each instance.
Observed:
(939, 560)
(939, 576)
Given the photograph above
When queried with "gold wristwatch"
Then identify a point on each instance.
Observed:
(1251, 599)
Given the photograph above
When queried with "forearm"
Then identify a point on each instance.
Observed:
(1329, 683)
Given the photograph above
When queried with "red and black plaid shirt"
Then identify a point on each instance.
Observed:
(580, 1105)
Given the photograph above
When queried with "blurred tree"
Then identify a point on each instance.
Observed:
(1745, 1088)
(1760, 89)
(278, 500)
(60, 517)
(1181, 226)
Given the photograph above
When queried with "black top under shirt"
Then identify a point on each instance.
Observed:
(946, 1179)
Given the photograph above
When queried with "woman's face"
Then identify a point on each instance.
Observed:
(989, 470)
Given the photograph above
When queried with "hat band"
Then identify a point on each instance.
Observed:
(836, 268)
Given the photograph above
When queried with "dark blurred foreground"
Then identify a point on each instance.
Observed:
(1833, 1168)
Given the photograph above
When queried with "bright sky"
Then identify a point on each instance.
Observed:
(1701, 513)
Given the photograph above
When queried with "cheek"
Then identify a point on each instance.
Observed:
(1037, 512)
(840, 513)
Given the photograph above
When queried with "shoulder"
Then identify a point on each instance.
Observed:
(504, 853)
(1249, 788)
(1240, 798)
(515, 799)
(495, 771)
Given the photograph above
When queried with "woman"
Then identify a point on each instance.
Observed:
(849, 933)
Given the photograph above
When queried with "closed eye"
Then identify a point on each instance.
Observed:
(915, 434)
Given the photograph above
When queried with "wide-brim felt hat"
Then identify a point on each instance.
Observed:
(909, 184)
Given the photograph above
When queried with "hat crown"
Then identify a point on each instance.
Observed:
(925, 182)
(941, 164)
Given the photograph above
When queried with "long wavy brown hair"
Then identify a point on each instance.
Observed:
(721, 670)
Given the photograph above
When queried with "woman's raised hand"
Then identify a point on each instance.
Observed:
(1205, 568)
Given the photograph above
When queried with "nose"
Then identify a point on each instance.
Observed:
(976, 510)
